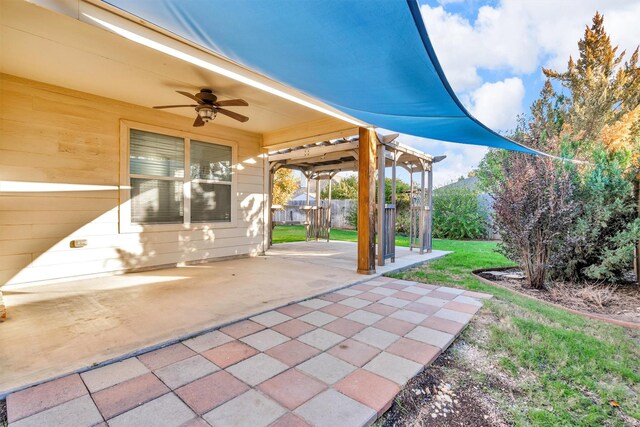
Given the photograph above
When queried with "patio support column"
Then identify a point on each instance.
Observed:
(382, 232)
(366, 200)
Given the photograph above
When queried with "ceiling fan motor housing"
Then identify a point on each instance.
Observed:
(207, 96)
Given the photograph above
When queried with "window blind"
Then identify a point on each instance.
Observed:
(156, 155)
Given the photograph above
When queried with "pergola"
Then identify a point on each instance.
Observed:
(324, 159)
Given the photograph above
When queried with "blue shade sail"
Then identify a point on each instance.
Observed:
(371, 59)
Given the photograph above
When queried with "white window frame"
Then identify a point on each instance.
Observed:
(125, 224)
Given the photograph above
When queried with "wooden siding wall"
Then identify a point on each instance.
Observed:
(50, 134)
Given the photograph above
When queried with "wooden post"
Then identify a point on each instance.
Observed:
(382, 233)
(430, 224)
(329, 210)
(395, 206)
(366, 201)
(411, 209)
(307, 210)
(422, 213)
(270, 197)
(317, 212)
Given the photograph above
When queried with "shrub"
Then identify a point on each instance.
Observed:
(458, 214)
(600, 243)
(533, 210)
(352, 216)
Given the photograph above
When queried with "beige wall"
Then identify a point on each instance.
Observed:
(53, 135)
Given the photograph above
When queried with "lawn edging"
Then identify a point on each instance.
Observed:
(476, 274)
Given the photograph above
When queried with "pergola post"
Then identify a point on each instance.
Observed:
(366, 200)
(317, 212)
(422, 212)
(329, 210)
(307, 210)
(270, 203)
(395, 206)
(430, 219)
(411, 226)
(382, 234)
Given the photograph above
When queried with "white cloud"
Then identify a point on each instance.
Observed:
(460, 159)
(519, 36)
(498, 104)
(512, 38)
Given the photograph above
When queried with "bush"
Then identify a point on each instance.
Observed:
(352, 216)
(599, 244)
(458, 214)
(533, 210)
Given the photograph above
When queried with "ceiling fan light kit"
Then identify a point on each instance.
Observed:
(206, 113)
(208, 107)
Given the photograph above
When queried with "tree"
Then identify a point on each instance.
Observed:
(533, 212)
(345, 189)
(602, 88)
(284, 185)
(595, 121)
(458, 213)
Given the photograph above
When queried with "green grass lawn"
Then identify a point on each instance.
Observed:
(295, 233)
(566, 368)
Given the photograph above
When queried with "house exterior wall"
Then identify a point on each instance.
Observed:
(60, 167)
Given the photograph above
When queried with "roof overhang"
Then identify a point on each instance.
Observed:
(91, 47)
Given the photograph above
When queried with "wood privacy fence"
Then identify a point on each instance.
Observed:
(293, 213)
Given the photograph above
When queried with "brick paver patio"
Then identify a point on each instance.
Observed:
(336, 360)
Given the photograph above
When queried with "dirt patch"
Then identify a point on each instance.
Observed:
(448, 393)
(3, 413)
(620, 302)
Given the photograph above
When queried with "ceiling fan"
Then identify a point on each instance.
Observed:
(208, 106)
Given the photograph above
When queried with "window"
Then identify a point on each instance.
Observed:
(162, 193)
(210, 182)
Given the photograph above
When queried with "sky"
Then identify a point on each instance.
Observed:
(492, 53)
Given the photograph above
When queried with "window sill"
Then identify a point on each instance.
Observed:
(151, 228)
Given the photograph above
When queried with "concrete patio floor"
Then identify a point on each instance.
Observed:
(336, 360)
(60, 328)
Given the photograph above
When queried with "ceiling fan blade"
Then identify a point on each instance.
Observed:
(233, 103)
(173, 106)
(188, 95)
(233, 115)
(198, 122)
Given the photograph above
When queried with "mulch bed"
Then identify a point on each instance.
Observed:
(623, 300)
(3, 413)
(443, 395)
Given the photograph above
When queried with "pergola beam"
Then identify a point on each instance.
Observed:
(327, 157)
(311, 152)
(324, 129)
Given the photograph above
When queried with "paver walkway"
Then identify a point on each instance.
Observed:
(335, 360)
